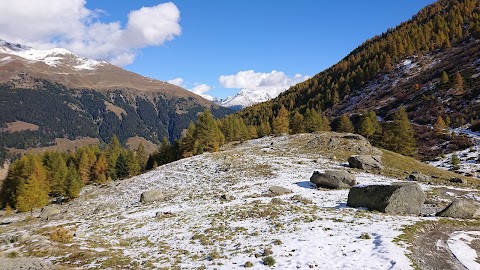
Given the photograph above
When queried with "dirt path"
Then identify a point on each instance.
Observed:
(430, 249)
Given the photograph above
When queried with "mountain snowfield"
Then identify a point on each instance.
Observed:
(308, 229)
(242, 99)
(51, 57)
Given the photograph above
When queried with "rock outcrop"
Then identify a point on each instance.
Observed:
(461, 208)
(401, 198)
(365, 162)
(333, 179)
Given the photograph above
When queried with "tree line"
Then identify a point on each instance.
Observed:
(34, 179)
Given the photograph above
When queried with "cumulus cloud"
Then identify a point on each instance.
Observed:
(272, 83)
(200, 89)
(69, 24)
(177, 82)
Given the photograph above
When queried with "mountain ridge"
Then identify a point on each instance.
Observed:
(72, 97)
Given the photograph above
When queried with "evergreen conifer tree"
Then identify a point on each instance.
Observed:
(280, 122)
(345, 124)
(458, 84)
(440, 125)
(399, 137)
(33, 192)
(74, 183)
(296, 125)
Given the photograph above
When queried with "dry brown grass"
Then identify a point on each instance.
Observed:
(115, 109)
(400, 166)
(61, 144)
(18, 126)
(133, 143)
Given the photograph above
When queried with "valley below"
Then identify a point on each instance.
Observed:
(249, 205)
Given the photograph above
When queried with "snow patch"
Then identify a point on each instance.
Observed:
(459, 243)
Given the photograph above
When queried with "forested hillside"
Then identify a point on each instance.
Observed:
(429, 64)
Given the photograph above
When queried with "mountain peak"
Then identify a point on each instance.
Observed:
(51, 57)
(244, 98)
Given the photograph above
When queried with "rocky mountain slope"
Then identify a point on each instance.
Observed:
(216, 211)
(57, 94)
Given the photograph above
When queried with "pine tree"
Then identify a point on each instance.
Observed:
(366, 128)
(444, 78)
(399, 137)
(122, 166)
(34, 191)
(74, 183)
(439, 125)
(132, 163)
(142, 157)
(296, 125)
(264, 129)
(100, 169)
(280, 122)
(313, 121)
(208, 137)
(56, 170)
(252, 132)
(345, 124)
(458, 84)
(84, 167)
(187, 142)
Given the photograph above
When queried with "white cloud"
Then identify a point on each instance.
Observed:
(177, 82)
(272, 83)
(200, 89)
(69, 24)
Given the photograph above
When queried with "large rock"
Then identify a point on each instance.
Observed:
(398, 198)
(461, 208)
(153, 196)
(49, 213)
(366, 162)
(333, 179)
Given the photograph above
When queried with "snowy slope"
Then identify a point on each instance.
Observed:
(244, 98)
(52, 57)
(197, 229)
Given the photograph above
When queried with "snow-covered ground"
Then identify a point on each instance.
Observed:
(460, 244)
(309, 228)
(469, 158)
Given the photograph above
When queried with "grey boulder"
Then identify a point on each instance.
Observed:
(333, 179)
(49, 212)
(461, 208)
(153, 196)
(402, 198)
(365, 162)
(278, 191)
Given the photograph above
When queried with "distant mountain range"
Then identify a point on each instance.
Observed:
(242, 99)
(46, 95)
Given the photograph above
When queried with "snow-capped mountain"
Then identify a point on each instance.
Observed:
(52, 57)
(242, 99)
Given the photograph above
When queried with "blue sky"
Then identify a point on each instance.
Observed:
(225, 37)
